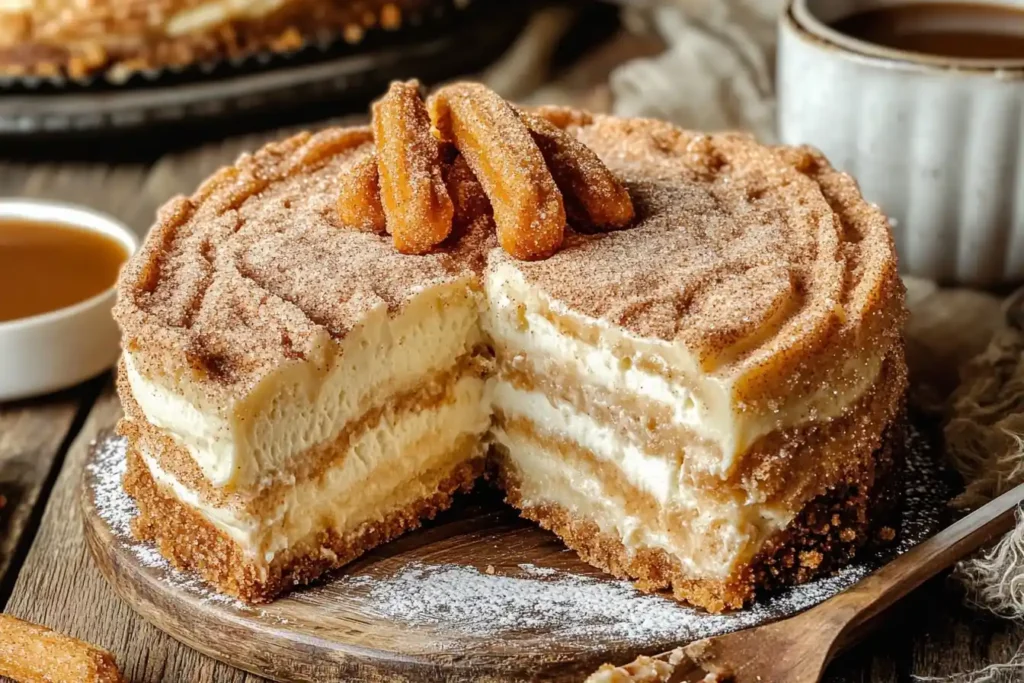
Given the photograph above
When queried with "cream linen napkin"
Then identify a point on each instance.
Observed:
(717, 72)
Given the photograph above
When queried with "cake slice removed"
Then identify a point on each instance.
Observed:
(684, 351)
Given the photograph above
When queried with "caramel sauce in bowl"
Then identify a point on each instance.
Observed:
(58, 270)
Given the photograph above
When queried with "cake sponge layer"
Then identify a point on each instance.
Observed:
(245, 443)
(191, 542)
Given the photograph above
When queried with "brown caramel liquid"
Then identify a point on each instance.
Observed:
(973, 31)
(47, 266)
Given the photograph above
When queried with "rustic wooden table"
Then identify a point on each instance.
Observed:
(47, 576)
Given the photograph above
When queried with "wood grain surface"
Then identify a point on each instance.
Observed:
(60, 586)
(477, 594)
(32, 443)
(797, 650)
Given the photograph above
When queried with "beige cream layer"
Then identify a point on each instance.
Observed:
(523, 324)
(250, 442)
(381, 469)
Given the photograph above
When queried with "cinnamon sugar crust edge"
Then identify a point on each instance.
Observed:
(807, 270)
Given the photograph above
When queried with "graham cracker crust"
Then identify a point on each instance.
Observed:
(827, 533)
(190, 542)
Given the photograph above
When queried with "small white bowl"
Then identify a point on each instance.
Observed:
(937, 142)
(56, 350)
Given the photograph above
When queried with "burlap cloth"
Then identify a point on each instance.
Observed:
(709, 65)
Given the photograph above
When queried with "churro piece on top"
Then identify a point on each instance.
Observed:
(594, 198)
(528, 210)
(416, 203)
(467, 194)
(359, 204)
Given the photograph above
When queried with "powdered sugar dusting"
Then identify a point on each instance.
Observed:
(117, 509)
(589, 612)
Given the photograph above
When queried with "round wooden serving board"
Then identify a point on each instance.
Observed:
(476, 595)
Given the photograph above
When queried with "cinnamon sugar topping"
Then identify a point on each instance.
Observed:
(764, 262)
(594, 197)
(528, 209)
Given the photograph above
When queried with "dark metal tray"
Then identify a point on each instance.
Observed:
(261, 84)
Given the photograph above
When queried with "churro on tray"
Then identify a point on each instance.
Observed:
(77, 40)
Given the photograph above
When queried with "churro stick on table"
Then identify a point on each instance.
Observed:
(359, 204)
(594, 197)
(528, 211)
(412, 190)
(35, 654)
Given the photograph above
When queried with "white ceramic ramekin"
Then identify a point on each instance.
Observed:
(938, 143)
(52, 351)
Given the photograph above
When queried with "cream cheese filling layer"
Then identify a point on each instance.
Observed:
(306, 402)
(380, 472)
(714, 540)
(701, 402)
(653, 474)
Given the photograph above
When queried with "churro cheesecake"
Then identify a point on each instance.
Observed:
(681, 353)
(79, 39)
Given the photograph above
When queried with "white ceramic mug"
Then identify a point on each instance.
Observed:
(937, 142)
(59, 349)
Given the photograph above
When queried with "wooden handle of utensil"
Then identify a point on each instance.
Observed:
(858, 605)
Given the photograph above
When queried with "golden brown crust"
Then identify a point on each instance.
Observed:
(191, 542)
(826, 534)
(78, 40)
(36, 654)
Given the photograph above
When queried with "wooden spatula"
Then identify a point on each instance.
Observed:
(798, 649)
